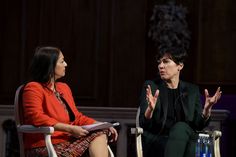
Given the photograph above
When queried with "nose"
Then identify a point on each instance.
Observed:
(161, 65)
(65, 64)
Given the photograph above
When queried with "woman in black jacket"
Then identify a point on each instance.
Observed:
(171, 111)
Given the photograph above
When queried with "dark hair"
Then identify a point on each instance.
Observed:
(177, 57)
(43, 64)
(169, 31)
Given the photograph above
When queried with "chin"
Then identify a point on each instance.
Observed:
(164, 78)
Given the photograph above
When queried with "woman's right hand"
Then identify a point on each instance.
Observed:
(151, 100)
(78, 131)
(74, 130)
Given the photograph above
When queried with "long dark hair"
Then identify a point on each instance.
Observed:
(43, 64)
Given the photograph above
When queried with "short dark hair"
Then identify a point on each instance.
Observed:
(43, 64)
(177, 57)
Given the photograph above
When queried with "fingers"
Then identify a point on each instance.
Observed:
(79, 131)
(157, 93)
(84, 132)
(114, 134)
(149, 93)
(213, 100)
(148, 90)
(218, 93)
(206, 93)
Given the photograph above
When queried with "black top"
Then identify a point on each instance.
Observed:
(175, 111)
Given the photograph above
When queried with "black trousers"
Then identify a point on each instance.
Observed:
(180, 142)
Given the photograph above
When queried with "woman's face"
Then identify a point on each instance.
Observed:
(60, 67)
(168, 69)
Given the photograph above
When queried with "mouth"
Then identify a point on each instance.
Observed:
(162, 73)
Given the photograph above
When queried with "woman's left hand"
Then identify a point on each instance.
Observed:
(114, 134)
(210, 101)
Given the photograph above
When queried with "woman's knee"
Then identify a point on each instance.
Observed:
(98, 147)
(101, 139)
(180, 130)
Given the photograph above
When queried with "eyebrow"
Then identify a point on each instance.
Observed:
(163, 59)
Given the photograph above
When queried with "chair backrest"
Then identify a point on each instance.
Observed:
(137, 117)
(138, 133)
(18, 109)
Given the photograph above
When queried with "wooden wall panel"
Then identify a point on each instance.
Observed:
(127, 52)
(10, 38)
(106, 46)
(216, 41)
(102, 42)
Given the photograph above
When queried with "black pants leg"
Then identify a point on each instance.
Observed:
(180, 142)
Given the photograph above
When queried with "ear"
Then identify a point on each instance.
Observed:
(180, 66)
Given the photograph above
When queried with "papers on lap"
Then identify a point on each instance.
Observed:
(99, 126)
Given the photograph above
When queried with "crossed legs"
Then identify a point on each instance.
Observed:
(181, 141)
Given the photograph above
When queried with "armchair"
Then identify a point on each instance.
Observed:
(138, 131)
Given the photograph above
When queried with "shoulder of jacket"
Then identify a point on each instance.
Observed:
(34, 85)
(62, 85)
(187, 86)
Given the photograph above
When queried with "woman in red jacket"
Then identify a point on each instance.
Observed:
(50, 103)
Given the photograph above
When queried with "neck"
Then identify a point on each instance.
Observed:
(172, 84)
(52, 85)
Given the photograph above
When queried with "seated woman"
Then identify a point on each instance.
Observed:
(47, 102)
(171, 111)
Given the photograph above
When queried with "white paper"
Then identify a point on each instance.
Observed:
(97, 126)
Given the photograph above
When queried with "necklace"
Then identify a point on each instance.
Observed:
(58, 96)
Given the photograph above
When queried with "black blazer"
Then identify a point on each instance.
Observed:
(190, 101)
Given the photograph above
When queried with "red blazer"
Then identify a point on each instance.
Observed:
(41, 108)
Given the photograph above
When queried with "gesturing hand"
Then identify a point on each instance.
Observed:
(210, 101)
(151, 100)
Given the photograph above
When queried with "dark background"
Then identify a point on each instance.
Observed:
(108, 52)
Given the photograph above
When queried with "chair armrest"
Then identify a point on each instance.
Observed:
(137, 130)
(216, 142)
(216, 134)
(46, 130)
(33, 129)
